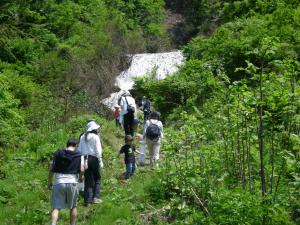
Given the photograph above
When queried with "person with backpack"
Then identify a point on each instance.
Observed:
(153, 133)
(68, 167)
(146, 107)
(90, 147)
(128, 112)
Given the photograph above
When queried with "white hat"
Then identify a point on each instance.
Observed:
(92, 125)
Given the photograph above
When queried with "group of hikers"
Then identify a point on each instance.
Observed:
(81, 161)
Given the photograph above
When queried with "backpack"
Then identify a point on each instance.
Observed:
(153, 131)
(130, 109)
(66, 162)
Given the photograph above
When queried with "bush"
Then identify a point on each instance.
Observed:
(12, 127)
(244, 208)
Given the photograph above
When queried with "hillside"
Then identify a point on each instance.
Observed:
(231, 112)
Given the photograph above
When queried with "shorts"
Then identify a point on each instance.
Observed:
(64, 196)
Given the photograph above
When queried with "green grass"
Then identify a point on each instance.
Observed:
(25, 199)
(26, 193)
(123, 202)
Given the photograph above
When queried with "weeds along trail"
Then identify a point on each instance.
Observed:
(124, 202)
(25, 199)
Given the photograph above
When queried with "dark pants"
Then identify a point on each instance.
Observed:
(146, 115)
(130, 168)
(92, 180)
(129, 124)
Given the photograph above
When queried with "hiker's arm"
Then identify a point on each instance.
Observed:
(50, 176)
(161, 130)
(81, 173)
(145, 128)
(119, 153)
(81, 176)
(138, 152)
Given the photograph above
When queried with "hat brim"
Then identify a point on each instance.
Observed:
(95, 127)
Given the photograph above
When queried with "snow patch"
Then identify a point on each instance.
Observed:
(142, 64)
(163, 64)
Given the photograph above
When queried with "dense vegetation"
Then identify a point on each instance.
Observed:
(58, 58)
(233, 108)
(231, 154)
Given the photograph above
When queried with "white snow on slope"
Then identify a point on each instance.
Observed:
(142, 64)
(164, 64)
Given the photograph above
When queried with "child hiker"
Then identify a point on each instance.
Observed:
(129, 150)
(117, 115)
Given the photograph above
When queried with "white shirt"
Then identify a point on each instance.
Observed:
(91, 146)
(158, 123)
(61, 178)
(123, 105)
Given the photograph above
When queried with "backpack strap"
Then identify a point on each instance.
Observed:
(155, 124)
(126, 100)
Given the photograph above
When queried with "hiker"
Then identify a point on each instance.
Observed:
(153, 132)
(128, 111)
(146, 106)
(117, 115)
(129, 155)
(90, 147)
(67, 165)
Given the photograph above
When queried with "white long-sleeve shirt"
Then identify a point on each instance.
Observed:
(91, 146)
(123, 105)
(158, 123)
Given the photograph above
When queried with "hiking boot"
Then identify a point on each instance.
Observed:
(97, 201)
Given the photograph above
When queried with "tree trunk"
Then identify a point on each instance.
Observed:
(260, 137)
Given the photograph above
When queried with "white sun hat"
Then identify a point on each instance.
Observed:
(92, 125)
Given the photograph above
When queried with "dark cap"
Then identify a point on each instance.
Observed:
(72, 142)
(155, 115)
